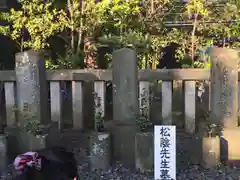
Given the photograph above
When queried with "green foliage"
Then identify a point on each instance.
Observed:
(71, 61)
(39, 20)
(141, 25)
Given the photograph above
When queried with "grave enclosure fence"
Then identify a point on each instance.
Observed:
(99, 78)
(31, 83)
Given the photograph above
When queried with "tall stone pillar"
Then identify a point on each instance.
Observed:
(125, 104)
(31, 82)
(32, 105)
(224, 86)
(224, 100)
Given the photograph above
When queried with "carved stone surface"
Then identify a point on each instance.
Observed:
(224, 86)
(211, 152)
(100, 151)
(32, 85)
(32, 105)
(125, 105)
(125, 86)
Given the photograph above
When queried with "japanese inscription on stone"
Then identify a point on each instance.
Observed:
(164, 152)
(226, 93)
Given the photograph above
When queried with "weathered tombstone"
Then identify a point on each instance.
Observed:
(125, 86)
(125, 104)
(224, 99)
(32, 97)
(224, 86)
(32, 86)
(211, 152)
(100, 151)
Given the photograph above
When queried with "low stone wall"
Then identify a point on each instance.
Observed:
(188, 149)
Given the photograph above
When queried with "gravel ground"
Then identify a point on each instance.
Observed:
(118, 172)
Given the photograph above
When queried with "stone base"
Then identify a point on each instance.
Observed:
(123, 142)
(210, 152)
(100, 155)
(144, 152)
(20, 141)
(195, 149)
(230, 146)
(204, 151)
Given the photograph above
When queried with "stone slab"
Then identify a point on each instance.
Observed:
(204, 150)
(123, 142)
(144, 152)
(125, 86)
(224, 86)
(100, 155)
(230, 146)
(210, 152)
(32, 96)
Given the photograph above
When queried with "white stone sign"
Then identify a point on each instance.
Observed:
(164, 152)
